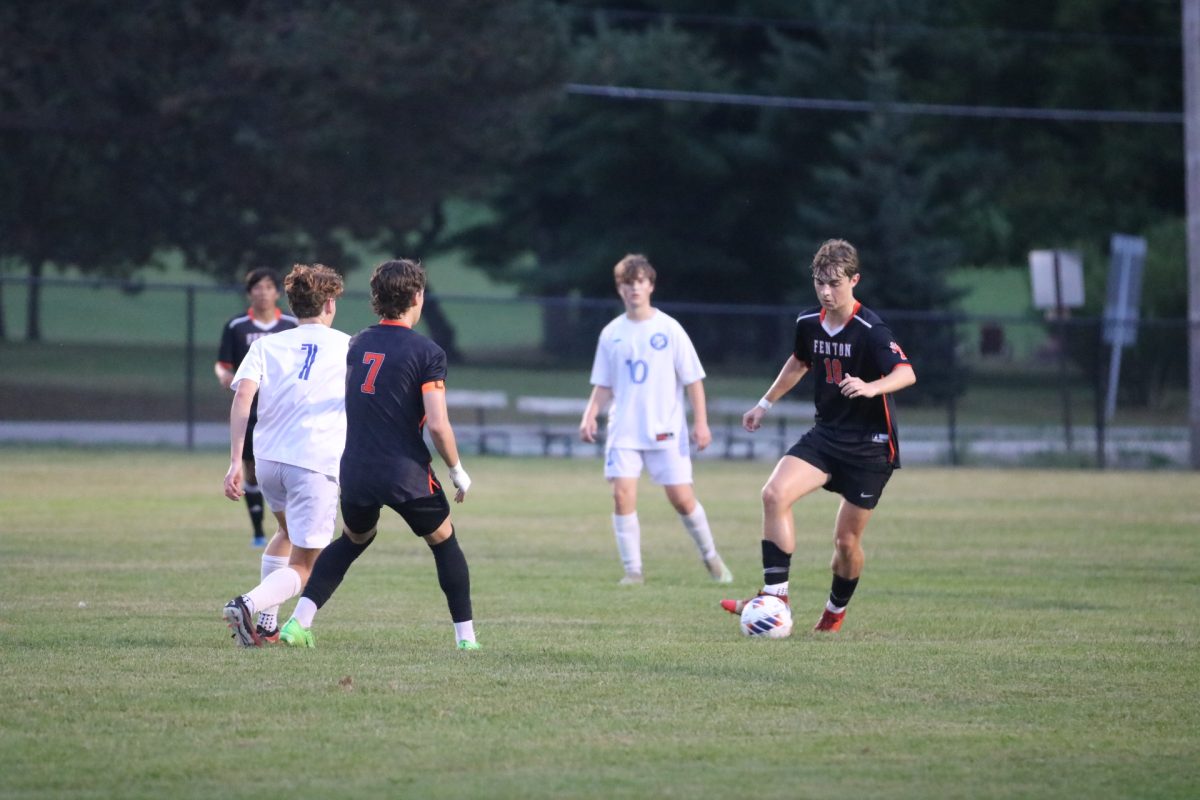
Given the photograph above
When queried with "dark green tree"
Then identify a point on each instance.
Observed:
(239, 133)
(689, 185)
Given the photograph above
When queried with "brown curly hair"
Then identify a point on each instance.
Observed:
(632, 267)
(835, 257)
(394, 287)
(308, 287)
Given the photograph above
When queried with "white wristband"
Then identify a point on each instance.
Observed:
(765, 404)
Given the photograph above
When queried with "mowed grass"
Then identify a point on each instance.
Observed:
(1016, 634)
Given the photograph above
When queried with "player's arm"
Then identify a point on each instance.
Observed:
(224, 373)
(793, 370)
(701, 435)
(601, 398)
(901, 377)
(437, 422)
(239, 417)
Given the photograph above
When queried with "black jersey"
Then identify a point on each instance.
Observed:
(388, 370)
(240, 332)
(865, 348)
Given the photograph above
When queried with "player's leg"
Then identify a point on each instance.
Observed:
(311, 500)
(274, 558)
(328, 570)
(792, 478)
(254, 496)
(672, 469)
(847, 563)
(622, 468)
(454, 577)
(861, 490)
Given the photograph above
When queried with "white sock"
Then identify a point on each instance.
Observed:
(280, 585)
(696, 524)
(464, 631)
(305, 611)
(777, 589)
(834, 609)
(268, 617)
(629, 541)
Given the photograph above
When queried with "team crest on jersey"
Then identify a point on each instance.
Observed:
(658, 341)
(896, 349)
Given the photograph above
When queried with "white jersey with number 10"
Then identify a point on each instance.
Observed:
(647, 364)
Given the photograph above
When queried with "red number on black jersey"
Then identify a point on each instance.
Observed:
(375, 360)
(833, 371)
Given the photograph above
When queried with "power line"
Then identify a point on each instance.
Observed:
(922, 109)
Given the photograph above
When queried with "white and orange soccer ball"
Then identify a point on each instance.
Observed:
(768, 617)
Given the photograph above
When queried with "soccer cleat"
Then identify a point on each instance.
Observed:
(631, 579)
(237, 616)
(830, 621)
(258, 541)
(294, 634)
(267, 637)
(717, 569)
(735, 606)
(465, 645)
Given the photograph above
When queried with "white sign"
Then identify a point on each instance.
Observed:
(1124, 290)
(1049, 292)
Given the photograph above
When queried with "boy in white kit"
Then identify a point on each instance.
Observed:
(644, 362)
(300, 378)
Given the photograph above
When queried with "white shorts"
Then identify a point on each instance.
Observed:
(669, 467)
(308, 500)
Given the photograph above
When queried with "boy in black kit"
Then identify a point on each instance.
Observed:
(395, 386)
(261, 319)
(853, 448)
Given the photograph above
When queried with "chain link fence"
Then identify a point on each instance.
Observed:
(132, 362)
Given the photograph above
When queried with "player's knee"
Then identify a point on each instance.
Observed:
(773, 497)
(359, 538)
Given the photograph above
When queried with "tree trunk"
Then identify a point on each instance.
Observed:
(33, 308)
(439, 324)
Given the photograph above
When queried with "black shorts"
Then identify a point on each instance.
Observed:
(248, 441)
(858, 465)
(424, 515)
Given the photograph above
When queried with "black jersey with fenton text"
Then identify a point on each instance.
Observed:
(237, 336)
(240, 332)
(864, 348)
(388, 370)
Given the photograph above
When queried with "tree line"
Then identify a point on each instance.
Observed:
(237, 133)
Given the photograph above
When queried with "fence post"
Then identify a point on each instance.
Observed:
(1102, 390)
(189, 369)
(952, 394)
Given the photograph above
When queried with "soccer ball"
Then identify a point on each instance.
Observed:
(767, 616)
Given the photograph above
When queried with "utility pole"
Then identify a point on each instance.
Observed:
(1191, 138)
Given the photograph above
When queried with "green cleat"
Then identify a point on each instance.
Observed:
(465, 645)
(294, 634)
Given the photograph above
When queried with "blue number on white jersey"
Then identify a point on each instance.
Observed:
(310, 355)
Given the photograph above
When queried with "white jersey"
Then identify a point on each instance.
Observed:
(301, 376)
(646, 364)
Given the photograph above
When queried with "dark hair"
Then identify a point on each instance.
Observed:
(632, 267)
(835, 256)
(260, 274)
(309, 287)
(394, 287)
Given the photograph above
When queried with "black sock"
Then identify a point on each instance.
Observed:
(254, 504)
(331, 567)
(776, 563)
(842, 591)
(453, 577)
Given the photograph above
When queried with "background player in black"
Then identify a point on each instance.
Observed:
(853, 448)
(395, 387)
(261, 319)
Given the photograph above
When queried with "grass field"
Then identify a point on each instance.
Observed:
(1016, 634)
